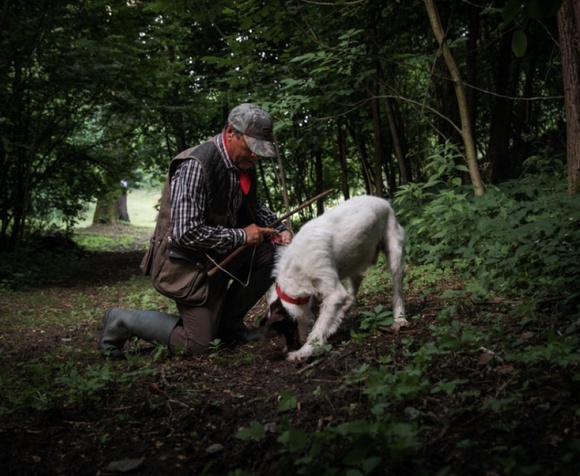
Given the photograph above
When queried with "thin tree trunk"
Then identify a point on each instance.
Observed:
(377, 143)
(569, 32)
(364, 168)
(503, 165)
(318, 180)
(396, 142)
(471, 62)
(520, 148)
(282, 178)
(265, 190)
(4, 14)
(466, 131)
(341, 139)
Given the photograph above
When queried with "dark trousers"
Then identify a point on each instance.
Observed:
(227, 303)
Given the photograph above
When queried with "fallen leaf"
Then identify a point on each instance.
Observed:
(216, 447)
(484, 358)
(504, 369)
(125, 465)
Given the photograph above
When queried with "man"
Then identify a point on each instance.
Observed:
(209, 208)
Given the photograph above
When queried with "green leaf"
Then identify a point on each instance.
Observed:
(512, 8)
(254, 432)
(287, 401)
(519, 43)
(294, 439)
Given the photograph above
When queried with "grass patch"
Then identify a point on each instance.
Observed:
(140, 205)
(118, 237)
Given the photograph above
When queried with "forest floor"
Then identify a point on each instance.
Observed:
(64, 410)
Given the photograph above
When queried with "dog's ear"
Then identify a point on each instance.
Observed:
(273, 314)
(280, 321)
(272, 320)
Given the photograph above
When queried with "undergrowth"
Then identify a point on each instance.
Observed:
(521, 237)
(505, 266)
(498, 358)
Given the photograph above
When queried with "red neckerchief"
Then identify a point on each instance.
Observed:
(300, 301)
(245, 181)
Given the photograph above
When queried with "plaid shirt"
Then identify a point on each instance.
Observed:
(189, 202)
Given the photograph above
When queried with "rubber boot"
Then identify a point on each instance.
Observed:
(121, 324)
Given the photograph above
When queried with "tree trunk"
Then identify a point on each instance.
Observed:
(105, 212)
(364, 168)
(121, 211)
(471, 61)
(264, 190)
(318, 180)
(378, 185)
(498, 153)
(4, 14)
(397, 144)
(466, 131)
(282, 179)
(520, 149)
(569, 32)
(341, 139)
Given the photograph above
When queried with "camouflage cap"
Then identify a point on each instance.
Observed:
(257, 127)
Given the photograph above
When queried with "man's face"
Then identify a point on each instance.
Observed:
(240, 154)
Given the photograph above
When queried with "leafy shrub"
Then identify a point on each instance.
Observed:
(520, 237)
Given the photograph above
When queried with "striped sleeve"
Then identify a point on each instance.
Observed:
(188, 211)
(264, 216)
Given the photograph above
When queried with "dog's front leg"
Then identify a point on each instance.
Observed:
(330, 317)
(305, 319)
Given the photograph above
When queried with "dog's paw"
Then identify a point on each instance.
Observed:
(400, 322)
(303, 353)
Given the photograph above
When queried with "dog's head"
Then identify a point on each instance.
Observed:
(281, 321)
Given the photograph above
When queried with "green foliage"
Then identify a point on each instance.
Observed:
(214, 348)
(419, 391)
(94, 241)
(162, 75)
(518, 237)
(46, 384)
(378, 317)
(517, 240)
(287, 401)
(254, 432)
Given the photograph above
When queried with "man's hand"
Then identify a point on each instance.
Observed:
(256, 234)
(285, 237)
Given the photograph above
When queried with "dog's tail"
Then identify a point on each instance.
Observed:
(395, 252)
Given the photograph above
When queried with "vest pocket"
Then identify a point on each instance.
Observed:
(180, 274)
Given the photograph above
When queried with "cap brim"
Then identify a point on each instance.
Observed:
(261, 148)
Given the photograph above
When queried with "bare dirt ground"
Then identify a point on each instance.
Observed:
(183, 416)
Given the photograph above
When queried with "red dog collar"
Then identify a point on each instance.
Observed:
(300, 301)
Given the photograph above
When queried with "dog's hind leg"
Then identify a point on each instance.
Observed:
(395, 253)
(355, 282)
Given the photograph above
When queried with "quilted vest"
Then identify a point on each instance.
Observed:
(216, 179)
(179, 272)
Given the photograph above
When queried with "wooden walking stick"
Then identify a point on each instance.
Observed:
(237, 251)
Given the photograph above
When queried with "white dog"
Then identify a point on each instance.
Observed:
(338, 245)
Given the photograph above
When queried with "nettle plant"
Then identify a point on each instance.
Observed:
(519, 238)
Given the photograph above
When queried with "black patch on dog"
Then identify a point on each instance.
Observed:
(281, 322)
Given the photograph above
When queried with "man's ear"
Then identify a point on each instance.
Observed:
(229, 130)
